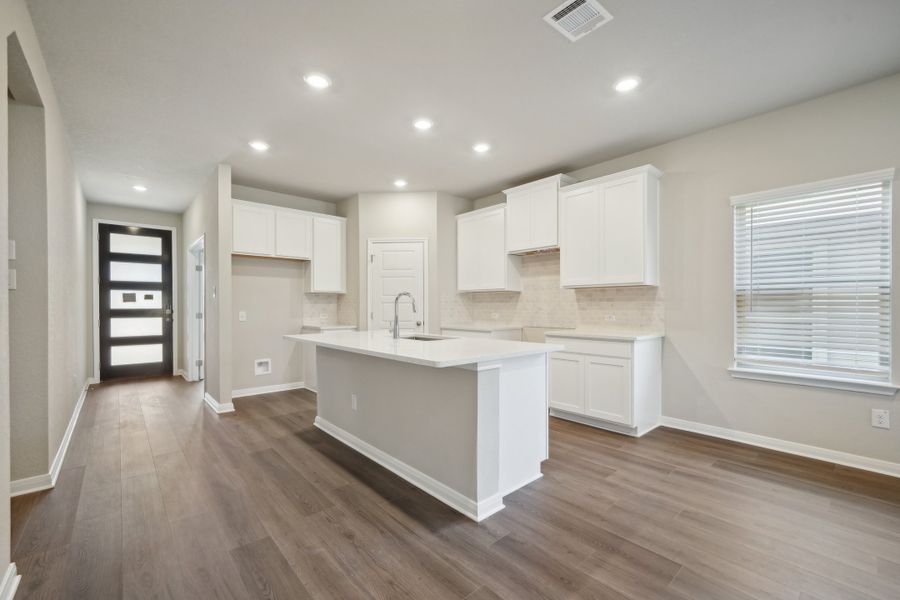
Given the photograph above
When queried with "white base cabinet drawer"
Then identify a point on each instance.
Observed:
(619, 390)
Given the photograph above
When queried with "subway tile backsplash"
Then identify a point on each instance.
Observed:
(542, 303)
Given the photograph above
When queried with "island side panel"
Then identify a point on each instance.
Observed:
(423, 417)
(524, 421)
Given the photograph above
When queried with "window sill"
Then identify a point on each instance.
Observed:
(851, 385)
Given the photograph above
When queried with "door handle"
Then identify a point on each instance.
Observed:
(418, 323)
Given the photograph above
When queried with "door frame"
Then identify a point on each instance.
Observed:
(192, 373)
(370, 247)
(95, 290)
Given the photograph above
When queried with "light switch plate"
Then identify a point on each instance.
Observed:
(242, 316)
(12, 279)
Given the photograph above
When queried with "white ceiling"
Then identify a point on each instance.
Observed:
(159, 91)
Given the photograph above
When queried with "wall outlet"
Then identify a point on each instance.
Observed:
(242, 315)
(881, 418)
(609, 318)
(353, 401)
(262, 366)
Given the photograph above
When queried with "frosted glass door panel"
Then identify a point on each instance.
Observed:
(135, 327)
(135, 244)
(126, 271)
(135, 299)
(136, 355)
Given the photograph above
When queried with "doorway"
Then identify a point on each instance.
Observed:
(395, 266)
(196, 311)
(135, 301)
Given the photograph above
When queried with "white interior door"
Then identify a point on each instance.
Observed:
(396, 267)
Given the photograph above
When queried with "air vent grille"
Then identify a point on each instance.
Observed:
(576, 19)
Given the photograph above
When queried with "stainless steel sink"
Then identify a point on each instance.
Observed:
(424, 338)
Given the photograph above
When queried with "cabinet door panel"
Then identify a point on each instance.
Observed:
(518, 221)
(622, 231)
(567, 382)
(545, 216)
(253, 229)
(467, 254)
(580, 241)
(491, 257)
(328, 264)
(608, 389)
(293, 234)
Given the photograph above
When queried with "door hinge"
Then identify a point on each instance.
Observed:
(199, 363)
(372, 315)
(371, 258)
(198, 267)
(200, 315)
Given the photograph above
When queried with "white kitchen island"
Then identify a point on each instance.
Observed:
(464, 419)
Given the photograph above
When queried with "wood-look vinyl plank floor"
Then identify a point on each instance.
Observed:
(161, 498)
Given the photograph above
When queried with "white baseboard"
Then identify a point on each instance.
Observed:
(834, 456)
(45, 481)
(477, 511)
(183, 375)
(10, 582)
(267, 389)
(598, 423)
(218, 407)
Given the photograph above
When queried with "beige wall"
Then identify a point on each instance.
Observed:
(447, 208)
(852, 131)
(209, 215)
(252, 194)
(139, 216)
(28, 303)
(67, 363)
(348, 304)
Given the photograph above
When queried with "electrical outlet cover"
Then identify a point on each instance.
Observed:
(881, 418)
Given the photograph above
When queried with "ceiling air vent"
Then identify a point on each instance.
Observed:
(578, 18)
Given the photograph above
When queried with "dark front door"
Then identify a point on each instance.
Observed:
(135, 275)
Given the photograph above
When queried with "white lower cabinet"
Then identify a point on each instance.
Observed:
(612, 384)
(513, 334)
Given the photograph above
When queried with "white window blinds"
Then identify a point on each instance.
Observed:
(812, 278)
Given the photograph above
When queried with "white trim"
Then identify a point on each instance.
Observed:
(46, 481)
(477, 511)
(95, 312)
(837, 383)
(191, 330)
(267, 389)
(846, 459)
(183, 375)
(425, 260)
(815, 186)
(218, 407)
(600, 423)
(10, 582)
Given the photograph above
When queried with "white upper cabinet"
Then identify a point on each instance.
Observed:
(328, 268)
(609, 230)
(532, 215)
(481, 259)
(293, 233)
(253, 228)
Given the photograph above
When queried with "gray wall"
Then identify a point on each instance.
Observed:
(852, 131)
(28, 303)
(209, 215)
(139, 216)
(447, 208)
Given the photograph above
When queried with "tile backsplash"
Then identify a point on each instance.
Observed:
(542, 303)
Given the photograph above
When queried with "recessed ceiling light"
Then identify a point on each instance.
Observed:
(627, 84)
(259, 145)
(481, 147)
(317, 81)
(423, 124)
(400, 183)
(139, 188)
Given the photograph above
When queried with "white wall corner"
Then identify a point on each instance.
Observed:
(218, 407)
(846, 459)
(46, 481)
(10, 582)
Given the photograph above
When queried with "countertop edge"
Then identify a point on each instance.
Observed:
(596, 335)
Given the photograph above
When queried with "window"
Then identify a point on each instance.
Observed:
(812, 282)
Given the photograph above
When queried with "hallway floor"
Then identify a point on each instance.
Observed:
(161, 498)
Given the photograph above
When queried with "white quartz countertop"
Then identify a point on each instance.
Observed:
(614, 334)
(482, 327)
(449, 352)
